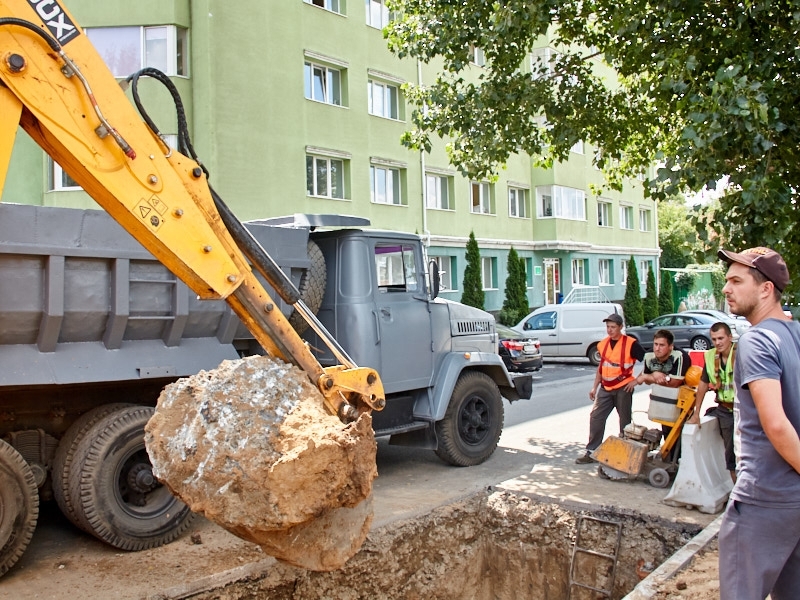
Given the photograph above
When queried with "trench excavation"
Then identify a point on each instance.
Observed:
(494, 545)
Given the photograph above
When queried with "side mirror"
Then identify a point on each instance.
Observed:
(433, 277)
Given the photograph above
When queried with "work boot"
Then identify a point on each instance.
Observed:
(585, 459)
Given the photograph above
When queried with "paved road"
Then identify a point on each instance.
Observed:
(536, 456)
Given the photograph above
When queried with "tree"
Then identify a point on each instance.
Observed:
(676, 235)
(666, 303)
(634, 312)
(473, 284)
(706, 90)
(515, 305)
(650, 308)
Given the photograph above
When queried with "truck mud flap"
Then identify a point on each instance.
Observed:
(523, 384)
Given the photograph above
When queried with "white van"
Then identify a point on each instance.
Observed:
(570, 329)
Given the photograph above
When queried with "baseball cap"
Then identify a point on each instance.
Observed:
(614, 318)
(764, 260)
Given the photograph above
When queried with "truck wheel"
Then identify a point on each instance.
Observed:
(473, 422)
(117, 498)
(19, 506)
(62, 461)
(593, 354)
(311, 288)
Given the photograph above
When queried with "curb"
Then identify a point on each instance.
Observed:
(648, 587)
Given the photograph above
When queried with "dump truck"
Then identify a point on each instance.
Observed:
(99, 310)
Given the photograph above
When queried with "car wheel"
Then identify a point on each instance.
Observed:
(593, 354)
(700, 343)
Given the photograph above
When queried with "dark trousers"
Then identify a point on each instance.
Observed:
(604, 402)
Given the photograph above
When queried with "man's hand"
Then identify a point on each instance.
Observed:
(592, 393)
(659, 378)
(631, 385)
(694, 419)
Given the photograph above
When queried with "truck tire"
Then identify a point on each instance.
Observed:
(62, 461)
(19, 506)
(473, 422)
(593, 354)
(117, 499)
(311, 288)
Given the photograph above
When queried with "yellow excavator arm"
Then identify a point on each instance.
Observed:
(55, 85)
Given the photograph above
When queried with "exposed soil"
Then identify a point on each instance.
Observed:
(698, 581)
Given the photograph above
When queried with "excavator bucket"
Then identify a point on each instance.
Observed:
(702, 482)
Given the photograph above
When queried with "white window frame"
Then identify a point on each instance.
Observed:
(477, 56)
(174, 61)
(546, 56)
(378, 15)
(624, 272)
(329, 5)
(626, 217)
(579, 272)
(603, 213)
(382, 98)
(385, 185)
(645, 222)
(518, 202)
(342, 163)
(438, 191)
(644, 266)
(605, 270)
(564, 202)
(484, 204)
(577, 147)
(332, 81)
(488, 273)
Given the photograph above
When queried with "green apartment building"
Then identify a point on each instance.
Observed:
(296, 106)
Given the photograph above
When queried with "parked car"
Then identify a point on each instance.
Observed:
(691, 330)
(520, 352)
(735, 322)
(569, 329)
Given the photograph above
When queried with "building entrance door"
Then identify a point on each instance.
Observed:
(552, 280)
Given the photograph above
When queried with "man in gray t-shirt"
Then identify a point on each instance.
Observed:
(759, 539)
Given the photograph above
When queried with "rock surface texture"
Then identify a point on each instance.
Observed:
(250, 446)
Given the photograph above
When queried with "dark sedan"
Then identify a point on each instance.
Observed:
(691, 330)
(520, 352)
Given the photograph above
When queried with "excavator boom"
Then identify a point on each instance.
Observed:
(55, 85)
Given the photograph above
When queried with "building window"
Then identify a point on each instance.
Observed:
(624, 272)
(529, 272)
(644, 219)
(383, 99)
(626, 217)
(543, 62)
(331, 5)
(518, 203)
(481, 198)
(476, 56)
(561, 202)
(126, 50)
(60, 180)
(603, 214)
(447, 272)
(577, 147)
(323, 84)
(378, 14)
(437, 191)
(384, 185)
(489, 272)
(325, 177)
(579, 271)
(396, 268)
(606, 271)
(644, 267)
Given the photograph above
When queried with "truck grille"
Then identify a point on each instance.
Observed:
(472, 326)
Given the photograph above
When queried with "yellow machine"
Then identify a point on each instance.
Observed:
(640, 451)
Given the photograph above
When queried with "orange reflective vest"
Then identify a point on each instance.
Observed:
(616, 364)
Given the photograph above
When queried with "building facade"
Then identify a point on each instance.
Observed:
(296, 106)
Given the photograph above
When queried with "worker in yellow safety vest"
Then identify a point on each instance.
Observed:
(718, 377)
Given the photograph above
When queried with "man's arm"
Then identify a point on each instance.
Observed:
(780, 432)
(593, 391)
(699, 395)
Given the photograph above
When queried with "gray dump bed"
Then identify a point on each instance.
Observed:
(81, 302)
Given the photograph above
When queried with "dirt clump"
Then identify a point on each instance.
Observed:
(699, 580)
(250, 446)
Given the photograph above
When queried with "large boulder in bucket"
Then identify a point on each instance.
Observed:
(250, 446)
